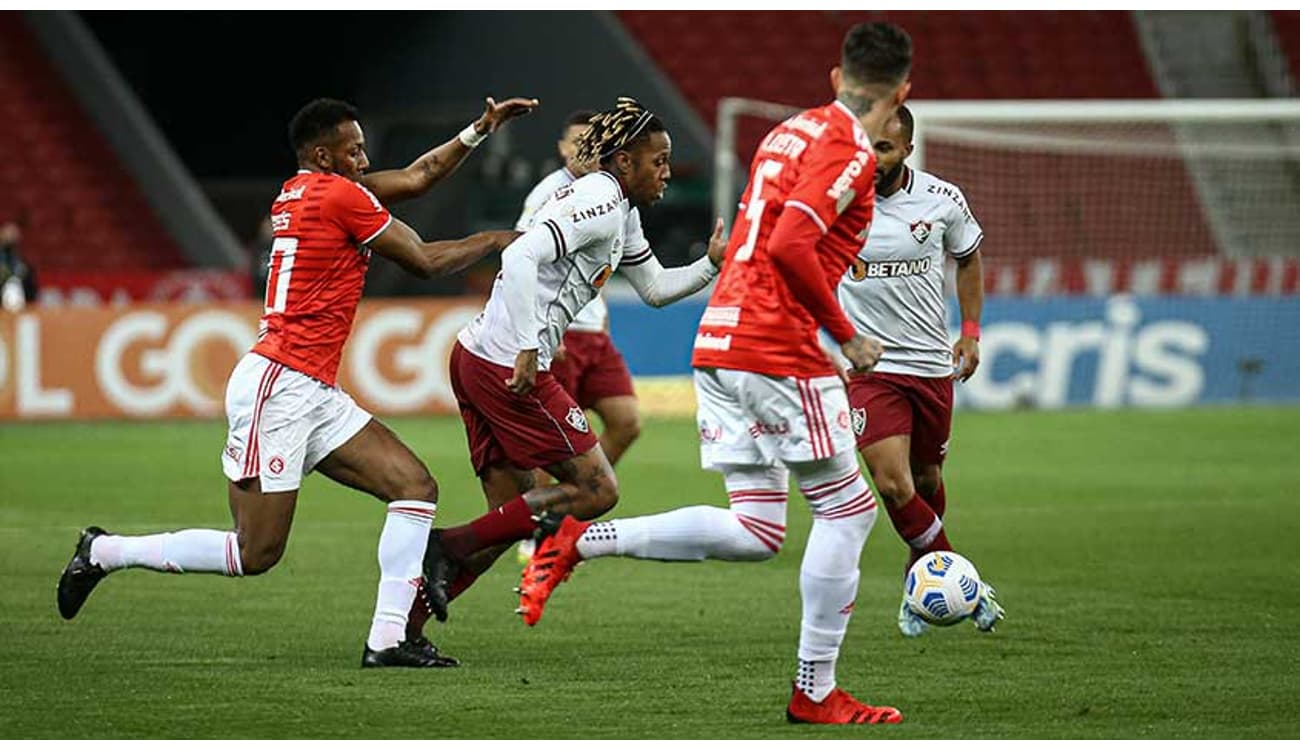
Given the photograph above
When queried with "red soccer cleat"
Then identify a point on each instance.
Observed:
(838, 708)
(551, 565)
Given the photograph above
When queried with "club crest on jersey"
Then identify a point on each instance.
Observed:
(859, 420)
(275, 465)
(921, 230)
(577, 419)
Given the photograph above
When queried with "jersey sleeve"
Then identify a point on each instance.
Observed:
(356, 210)
(836, 174)
(964, 234)
(636, 249)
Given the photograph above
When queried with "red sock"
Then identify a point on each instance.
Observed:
(919, 526)
(938, 502)
(418, 615)
(509, 523)
(463, 580)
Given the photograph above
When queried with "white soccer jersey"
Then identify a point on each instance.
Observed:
(579, 237)
(592, 317)
(894, 290)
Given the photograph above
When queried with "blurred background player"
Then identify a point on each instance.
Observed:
(587, 363)
(894, 292)
(517, 416)
(770, 400)
(286, 415)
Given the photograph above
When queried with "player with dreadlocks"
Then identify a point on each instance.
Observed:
(517, 416)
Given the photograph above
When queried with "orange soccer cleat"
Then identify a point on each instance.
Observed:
(552, 562)
(838, 708)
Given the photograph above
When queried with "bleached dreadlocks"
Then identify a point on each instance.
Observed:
(617, 130)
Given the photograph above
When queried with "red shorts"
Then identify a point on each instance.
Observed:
(592, 368)
(884, 404)
(542, 428)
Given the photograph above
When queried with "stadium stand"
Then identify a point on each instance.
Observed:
(83, 211)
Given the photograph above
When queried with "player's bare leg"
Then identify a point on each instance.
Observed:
(501, 484)
(929, 486)
(621, 416)
(912, 517)
(753, 529)
(262, 524)
(586, 487)
(376, 462)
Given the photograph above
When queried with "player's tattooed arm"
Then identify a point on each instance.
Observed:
(400, 244)
(440, 162)
(970, 297)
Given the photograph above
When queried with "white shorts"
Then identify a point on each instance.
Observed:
(282, 423)
(751, 419)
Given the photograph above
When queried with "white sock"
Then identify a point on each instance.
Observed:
(753, 529)
(843, 513)
(186, 551)
(401, 558)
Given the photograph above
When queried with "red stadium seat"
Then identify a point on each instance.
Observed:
(83, 210)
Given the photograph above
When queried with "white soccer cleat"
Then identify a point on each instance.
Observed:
(910, 624)
(987, 610)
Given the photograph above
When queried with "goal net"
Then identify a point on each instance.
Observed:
(1116, 215)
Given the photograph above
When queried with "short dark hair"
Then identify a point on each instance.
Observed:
(907, 121)
(580, 117)
(317, 119)
(876, 53)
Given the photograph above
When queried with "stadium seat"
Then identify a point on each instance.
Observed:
(83, 210)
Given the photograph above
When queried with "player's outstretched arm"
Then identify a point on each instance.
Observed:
(435, 165)
(400, 244)
(970, 297)
(659, 286)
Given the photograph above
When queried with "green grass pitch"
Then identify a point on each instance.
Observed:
(1145, 560)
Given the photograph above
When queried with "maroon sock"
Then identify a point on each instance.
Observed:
(938, 502)
(419, 614)
(916, 523)
(509, 523)
(464, 579)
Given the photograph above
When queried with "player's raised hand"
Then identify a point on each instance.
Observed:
(495, 115)
(862, 352)
(717, 245)
(525, 376)
(965, 358)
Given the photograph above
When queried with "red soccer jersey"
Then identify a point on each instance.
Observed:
(819, 162)
(322, 223)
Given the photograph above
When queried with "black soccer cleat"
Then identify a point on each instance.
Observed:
(439, 571)
(80, 576)
(548, 522)
(419, 653)
(432, 652)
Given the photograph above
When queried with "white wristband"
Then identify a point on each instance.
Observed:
(471, 137)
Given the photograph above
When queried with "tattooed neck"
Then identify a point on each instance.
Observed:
(855, 100)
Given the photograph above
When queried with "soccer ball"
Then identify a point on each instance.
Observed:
(942, 588)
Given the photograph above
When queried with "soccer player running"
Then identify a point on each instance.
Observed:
(286, 414)
(517, 416)
(587, 364)
(770, 400)
(902, 410)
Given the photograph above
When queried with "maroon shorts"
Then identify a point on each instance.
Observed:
(592, 368)
(884, 404)
(542, 428)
